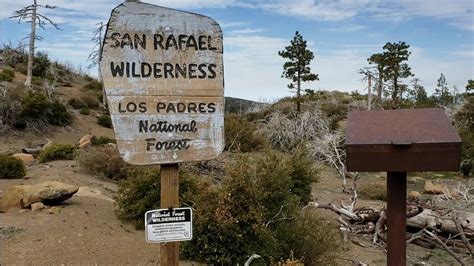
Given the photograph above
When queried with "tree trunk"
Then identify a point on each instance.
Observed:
(369, 107)
(298, 94)
(380, 86)
(31, 52)
(445, 223)
(104, 97)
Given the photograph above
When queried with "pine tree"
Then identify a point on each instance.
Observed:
(394, 55)
(441, 92)
(379, 61)
(297, 67)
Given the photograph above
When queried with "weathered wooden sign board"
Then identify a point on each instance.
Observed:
(164, 81)
(167, 225)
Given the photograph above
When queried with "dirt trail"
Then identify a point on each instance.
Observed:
(85, 231)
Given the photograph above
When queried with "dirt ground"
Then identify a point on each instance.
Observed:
(360, 247)
(86, 230)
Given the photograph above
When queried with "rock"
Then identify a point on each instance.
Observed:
(37, 206)
(26, 158)
(54, 210)
(414, 195)
(85, 144)
(49, 192)
(86, 138)
(414, 179)
(431, 188)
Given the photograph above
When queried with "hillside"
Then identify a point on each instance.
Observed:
(264, 192)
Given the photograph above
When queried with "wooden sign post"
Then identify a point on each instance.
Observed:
(397, 142)
(164, 81)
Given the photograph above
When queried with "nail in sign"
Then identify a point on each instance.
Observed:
(164, 81)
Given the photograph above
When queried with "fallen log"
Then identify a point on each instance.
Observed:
(444, 223)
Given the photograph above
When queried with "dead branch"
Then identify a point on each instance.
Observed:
(461, 232)
(380, 225)
(433, 236)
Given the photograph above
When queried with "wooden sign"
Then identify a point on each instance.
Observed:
(164, 81)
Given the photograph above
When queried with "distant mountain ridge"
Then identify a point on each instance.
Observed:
(241, 106)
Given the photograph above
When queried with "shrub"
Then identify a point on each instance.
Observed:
(373, 191)
(93, 85)
(303, 175)
(241, 135)
(102, 140)
(57, 152)
(40, 64)
(110, 165)
(7, 75)
(77, 103)
(244, 215)
(104, 120)
(84, 111)
(11, 167)
(310, 239)
(58, 114)
(36, 107)
(140, 192)
(21, 68)
(90, 101)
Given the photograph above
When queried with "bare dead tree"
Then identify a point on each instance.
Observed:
(94, 56)
(31, 15)
(368, 76)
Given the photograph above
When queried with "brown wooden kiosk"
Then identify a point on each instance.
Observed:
(397, 142)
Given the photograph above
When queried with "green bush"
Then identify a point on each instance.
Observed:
(110, 165)
(7, 75)
(140, 192)
(241, 135)
(40, 64)
(245, 215)
(104, 120)
(102, 140)
(77, 103)
(57, 152)
(84, 111)
(11, 167)
(90, 101)
(464, 122)
(93, 85)
(58, 114)
(303, 175)
(36, 107)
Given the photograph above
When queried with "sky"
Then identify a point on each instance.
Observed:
(341, 33)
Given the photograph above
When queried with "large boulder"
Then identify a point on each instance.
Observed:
(431, 188)
(49, 192)
(26, 158)
(85, 139)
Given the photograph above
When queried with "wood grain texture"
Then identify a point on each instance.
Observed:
(142, 93)
(169, 252)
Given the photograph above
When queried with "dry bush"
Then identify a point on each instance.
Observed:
(105, 162)
(373, 190)
(90, 101)
(11, 167)
(241, 135)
